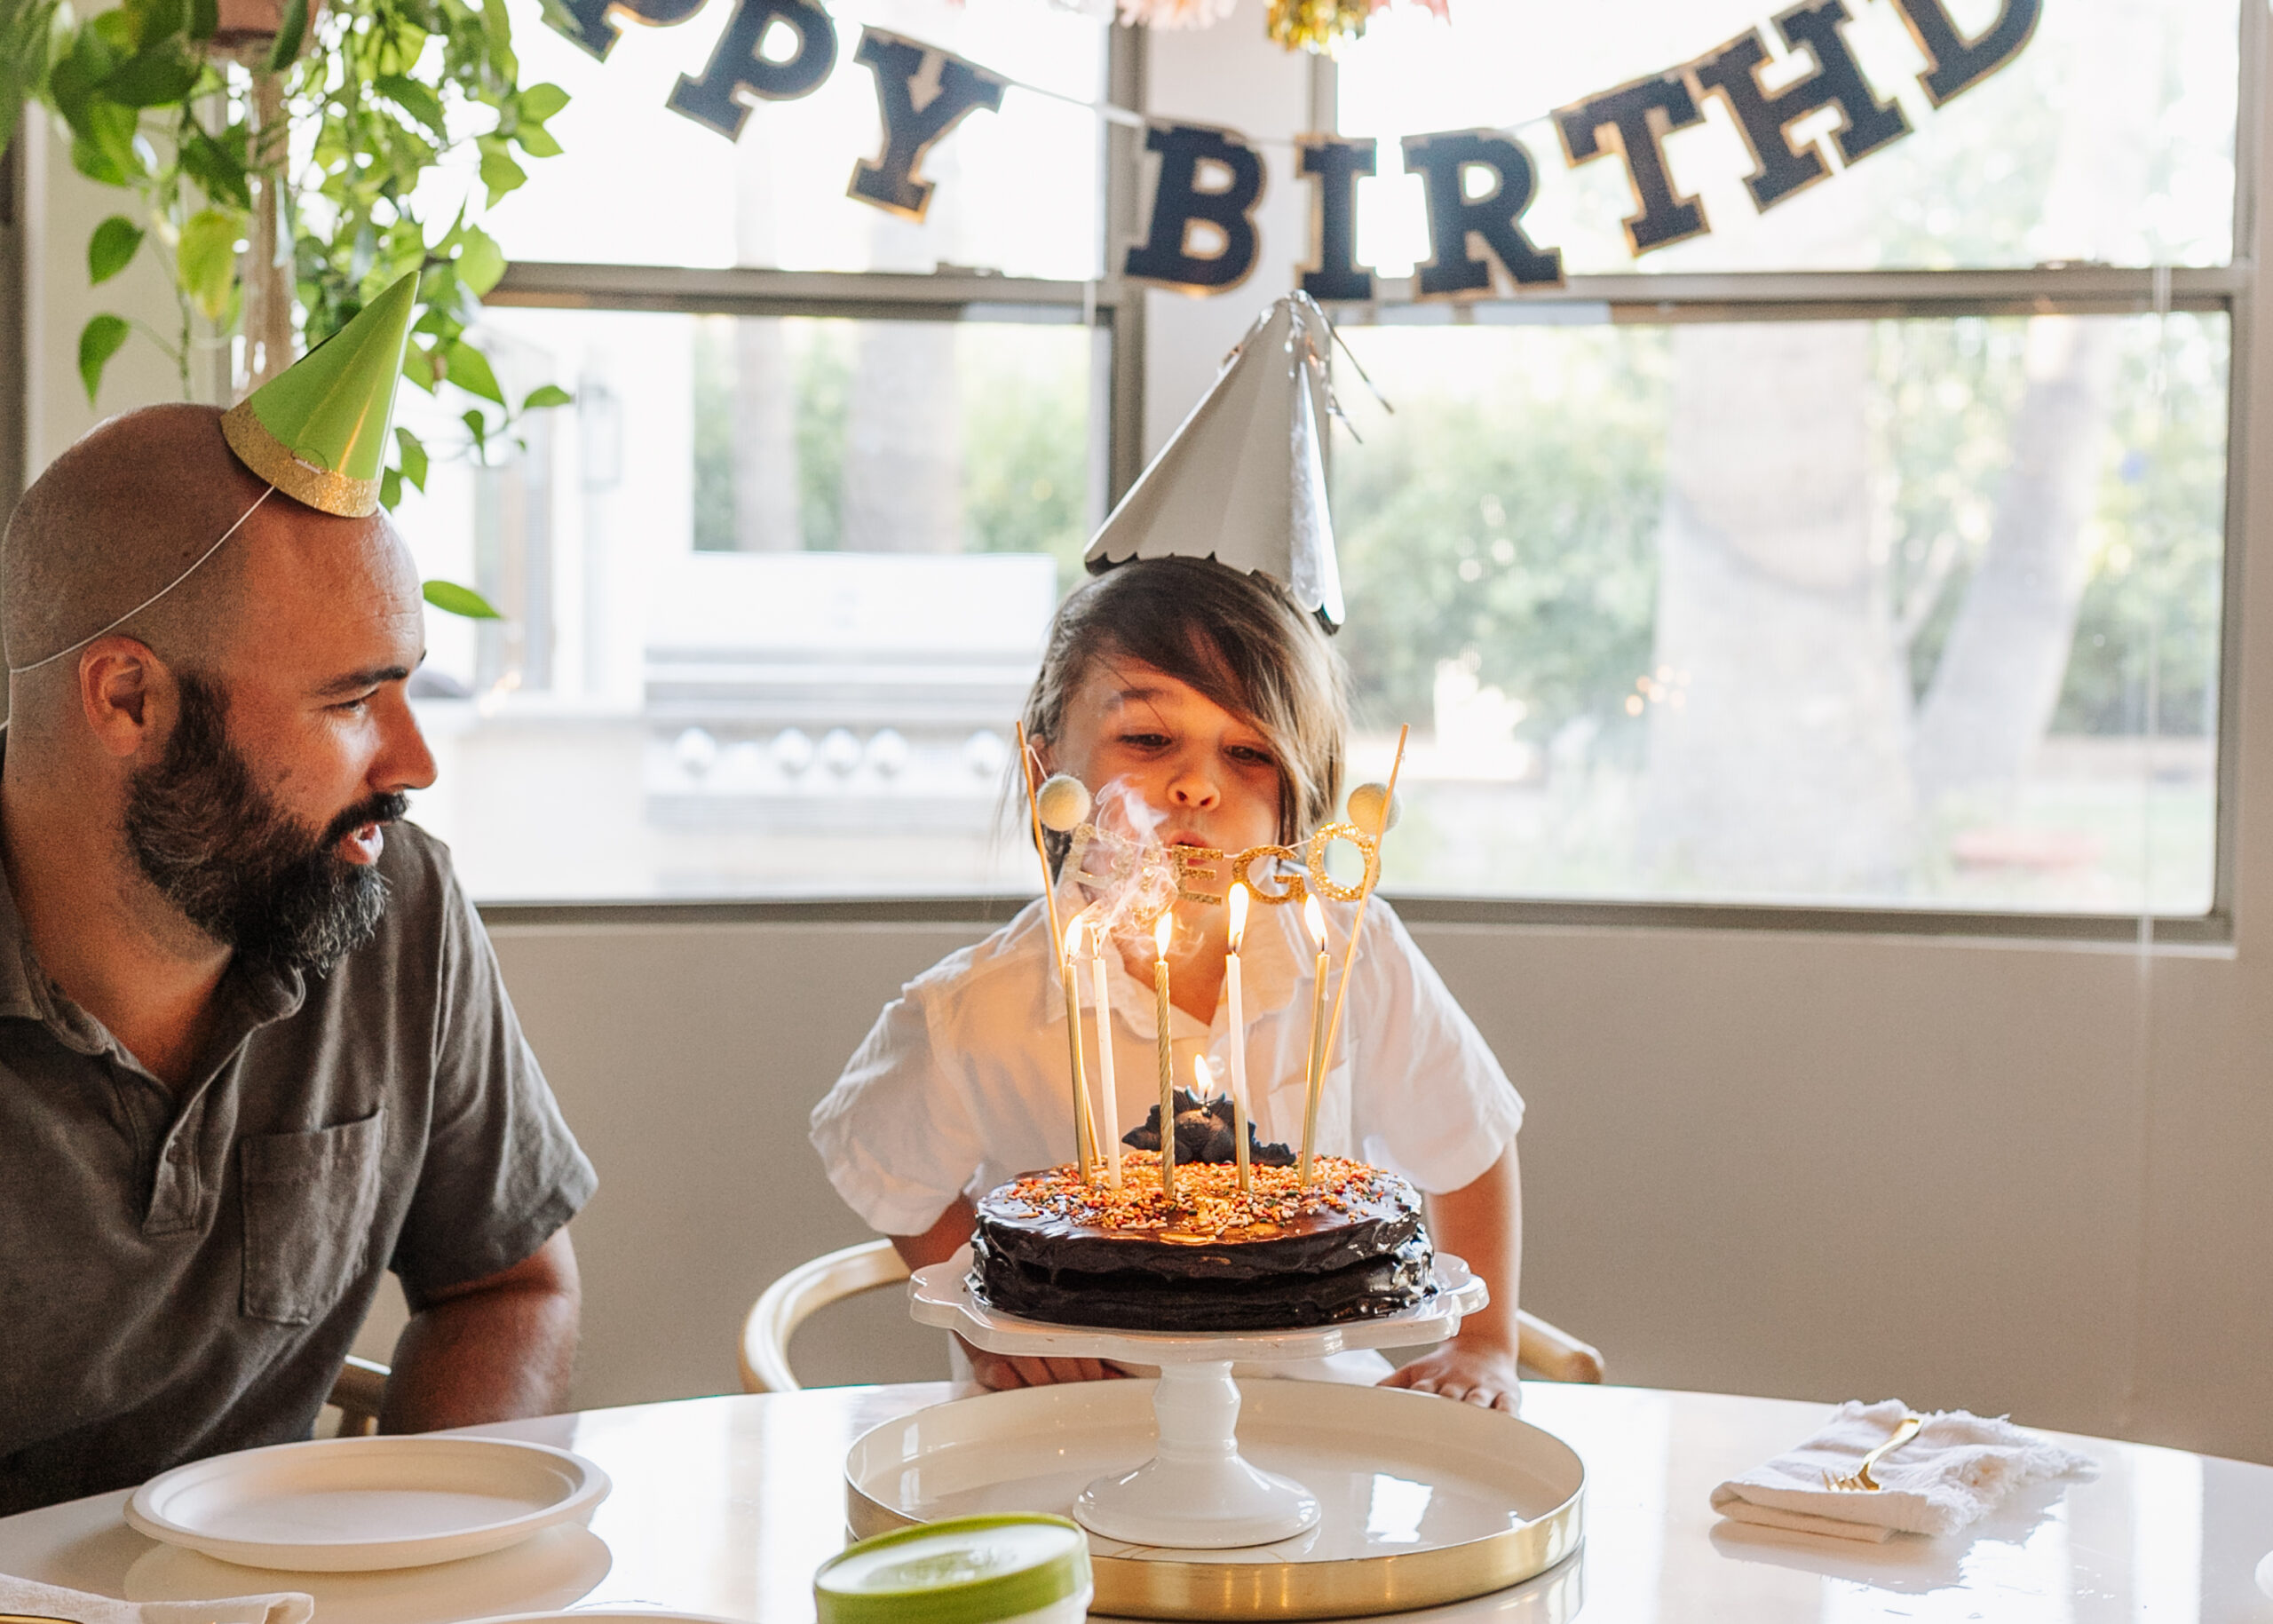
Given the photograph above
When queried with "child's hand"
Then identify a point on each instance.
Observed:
(998, 1373)
(1472, 1372)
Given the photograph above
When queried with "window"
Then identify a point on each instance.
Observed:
(1794, 563)
(1866, 555)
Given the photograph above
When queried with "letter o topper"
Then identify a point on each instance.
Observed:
(1367, 847)
(1292, 891)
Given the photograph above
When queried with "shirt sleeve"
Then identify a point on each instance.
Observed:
(501, 1172)
(896, 1133)
(1432, 1100)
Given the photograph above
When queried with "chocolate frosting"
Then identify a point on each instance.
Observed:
(1358, 1254)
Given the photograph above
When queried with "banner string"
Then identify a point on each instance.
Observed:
(18, 671)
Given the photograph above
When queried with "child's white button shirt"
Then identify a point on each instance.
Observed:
(963, 1082)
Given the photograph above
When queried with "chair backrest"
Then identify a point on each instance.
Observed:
(357, 1393)
(799, 1294)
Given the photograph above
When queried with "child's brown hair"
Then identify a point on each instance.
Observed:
(1237, 638)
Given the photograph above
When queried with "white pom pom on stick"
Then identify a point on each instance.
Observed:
(1062, 802)
(1367, 801)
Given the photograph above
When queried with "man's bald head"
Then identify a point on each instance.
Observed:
(116, 518)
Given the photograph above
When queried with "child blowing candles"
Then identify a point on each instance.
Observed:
(1205, 697)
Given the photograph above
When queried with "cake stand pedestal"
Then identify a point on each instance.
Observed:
(1197, 1493)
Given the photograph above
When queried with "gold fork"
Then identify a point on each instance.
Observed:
(1860, 1479)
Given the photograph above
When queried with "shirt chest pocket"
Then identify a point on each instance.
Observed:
(309, 1200)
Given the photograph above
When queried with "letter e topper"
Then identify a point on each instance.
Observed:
(1223, 196)
(921, 94)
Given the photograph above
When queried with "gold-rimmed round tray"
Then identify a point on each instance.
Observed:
(1424, 1502)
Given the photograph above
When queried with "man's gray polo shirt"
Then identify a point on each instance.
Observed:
(182, 1274)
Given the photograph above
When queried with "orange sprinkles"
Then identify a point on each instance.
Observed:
(1208, 1201)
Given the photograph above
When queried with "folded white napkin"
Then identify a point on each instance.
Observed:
(53, 1602)
(1957, 1469)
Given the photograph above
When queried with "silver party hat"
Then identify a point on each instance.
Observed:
(1242, 480)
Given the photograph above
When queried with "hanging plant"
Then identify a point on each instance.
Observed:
(196, 108)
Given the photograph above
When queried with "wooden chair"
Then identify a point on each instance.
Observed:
(1542, 1350)
(357, 1393)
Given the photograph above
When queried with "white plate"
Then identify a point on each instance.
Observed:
(554, 1567)
(352, 1505)
(611, 1615)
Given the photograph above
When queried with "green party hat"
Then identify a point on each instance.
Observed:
(318, 430)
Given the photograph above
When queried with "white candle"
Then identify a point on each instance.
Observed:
(1106, 1097)
(1238, 1030)
(1314, 918)
(1164, 928)
(1084, 1128)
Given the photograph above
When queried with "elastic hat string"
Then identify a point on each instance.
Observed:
(18, 671)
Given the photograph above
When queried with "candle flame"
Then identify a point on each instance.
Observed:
(1203, 1083)
(1163, 929)
(1314, 916)
(1073, 938)
(1239, 915)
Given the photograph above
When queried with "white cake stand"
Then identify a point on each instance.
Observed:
(1196, 1493)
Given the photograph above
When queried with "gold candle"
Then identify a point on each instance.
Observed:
(1238, 901)
(1163, 928)
(1314, 918)
(1085, 1131)
(1109, 1101)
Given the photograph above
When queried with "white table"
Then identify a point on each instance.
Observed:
(725, 1506)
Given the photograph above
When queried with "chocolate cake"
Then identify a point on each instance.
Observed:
(1051, 1247)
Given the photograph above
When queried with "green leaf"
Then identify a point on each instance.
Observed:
(544, 395)
(451, 598)
(293, 29)
(537, 141)
(96, 164)
(497, 28)
(98, 341)
(412, 452)
(207, 260)
(469, 369)
(217, 165)
(542, 101)
(500, 174)
(477, 425)
(158, 77)
(111, 247)
(390, 489)
(415, 100)
(480, 262)
(204, 19)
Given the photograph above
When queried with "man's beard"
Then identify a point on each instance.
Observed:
(238, 865)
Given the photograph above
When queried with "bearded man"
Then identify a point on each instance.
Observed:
(254, 1047)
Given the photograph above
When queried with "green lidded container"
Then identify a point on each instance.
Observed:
(968, 1570)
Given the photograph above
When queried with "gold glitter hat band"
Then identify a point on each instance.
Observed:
(73, 648)
(272, 460)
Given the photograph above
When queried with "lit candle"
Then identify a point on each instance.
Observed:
(1238, 1031)
(1314, 916)
(1084, 1129)
(1163, 928)
(1110, 1100)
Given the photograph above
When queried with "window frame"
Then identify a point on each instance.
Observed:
(1114, 310)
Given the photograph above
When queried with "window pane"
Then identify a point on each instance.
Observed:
(636, 183)
(774, 591)
(2108, 138)
(1915, 613)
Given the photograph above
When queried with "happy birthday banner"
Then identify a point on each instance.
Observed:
(1201, 237)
